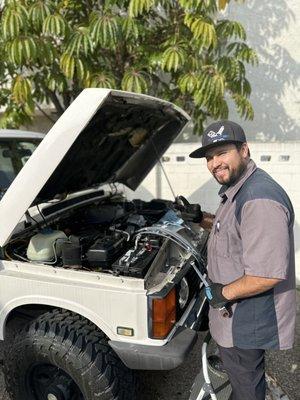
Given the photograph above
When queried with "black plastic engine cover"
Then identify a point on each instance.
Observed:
(105, 251)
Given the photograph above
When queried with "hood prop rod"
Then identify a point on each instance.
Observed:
(163, 169)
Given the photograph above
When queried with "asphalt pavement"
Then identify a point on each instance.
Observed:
(283, 369)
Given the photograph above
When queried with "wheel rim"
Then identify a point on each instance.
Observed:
(47, 382)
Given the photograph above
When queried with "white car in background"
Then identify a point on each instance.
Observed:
(101, 285)
(16, 146)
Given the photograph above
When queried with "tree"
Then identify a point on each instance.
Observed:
(179, 50)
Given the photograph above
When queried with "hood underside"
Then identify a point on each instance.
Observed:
(121, 143)
(105, 136)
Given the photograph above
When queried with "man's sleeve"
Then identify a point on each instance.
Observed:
(265, 238)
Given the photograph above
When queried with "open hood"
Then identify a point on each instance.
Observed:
(105, 136)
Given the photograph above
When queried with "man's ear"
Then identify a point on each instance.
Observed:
(245, 152)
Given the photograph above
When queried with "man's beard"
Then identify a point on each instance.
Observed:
(234, 177)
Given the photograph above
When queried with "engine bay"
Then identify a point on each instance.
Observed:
(114, 236)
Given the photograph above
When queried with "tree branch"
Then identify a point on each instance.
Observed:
(59, 108)
(44, 113)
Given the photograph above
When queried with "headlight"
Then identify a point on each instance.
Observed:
(183, 293)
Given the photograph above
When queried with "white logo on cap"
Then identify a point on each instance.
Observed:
(213, 134)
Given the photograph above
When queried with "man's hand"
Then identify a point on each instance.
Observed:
(189, 212)
(207, 221)
(215, 296)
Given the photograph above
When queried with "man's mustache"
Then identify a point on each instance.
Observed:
(219, 169)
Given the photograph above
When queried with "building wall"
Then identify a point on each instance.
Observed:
(273, 31)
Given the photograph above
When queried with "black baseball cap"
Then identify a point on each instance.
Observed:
(218, 133)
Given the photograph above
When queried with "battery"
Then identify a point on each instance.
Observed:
(135, 263)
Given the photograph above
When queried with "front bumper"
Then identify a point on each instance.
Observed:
(173, 353)
(165, 357)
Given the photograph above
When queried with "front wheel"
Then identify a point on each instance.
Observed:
(62, 356)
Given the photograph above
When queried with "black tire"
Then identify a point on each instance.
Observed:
(67, 356)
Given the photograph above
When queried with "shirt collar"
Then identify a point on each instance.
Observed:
(230, 191)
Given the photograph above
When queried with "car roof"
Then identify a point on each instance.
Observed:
(17, 133)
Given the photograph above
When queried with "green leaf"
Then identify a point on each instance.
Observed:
(46, 52)
(104, 29)
(80, 41)
(134, 81)
(15, 19)
(210, 89)
(188, 82)
(137, 7)
(56, 82)
(67, 65)
(38, 12)
(240, 86)
(82, 70)
(189, 4)
(244, 106)
(231, 67)
(226, 28)
(130, 28)
(243, 52)
(21, 50)
(202, 30)
(21, 89)
(55, 25)
(101, 80)
(173, 58)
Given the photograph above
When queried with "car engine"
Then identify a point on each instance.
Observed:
(139, 239)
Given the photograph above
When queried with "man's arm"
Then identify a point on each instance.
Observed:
(219, 295)
(247, 286)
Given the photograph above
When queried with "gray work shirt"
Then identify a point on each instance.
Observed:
(252, 234)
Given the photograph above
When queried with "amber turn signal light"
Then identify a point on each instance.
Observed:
(163, 315)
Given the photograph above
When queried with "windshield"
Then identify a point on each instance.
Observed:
(13, 155)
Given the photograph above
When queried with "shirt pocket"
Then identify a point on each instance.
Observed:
(222, 243)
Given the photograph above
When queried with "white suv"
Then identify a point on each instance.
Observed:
(104, 285)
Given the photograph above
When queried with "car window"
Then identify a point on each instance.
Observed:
(14, 153)
(7, 172)
(24, 150)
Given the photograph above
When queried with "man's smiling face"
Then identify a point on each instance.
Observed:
(226, 163)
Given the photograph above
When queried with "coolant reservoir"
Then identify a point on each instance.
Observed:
(41, 245)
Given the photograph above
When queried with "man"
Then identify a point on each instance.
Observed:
(250, 261)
